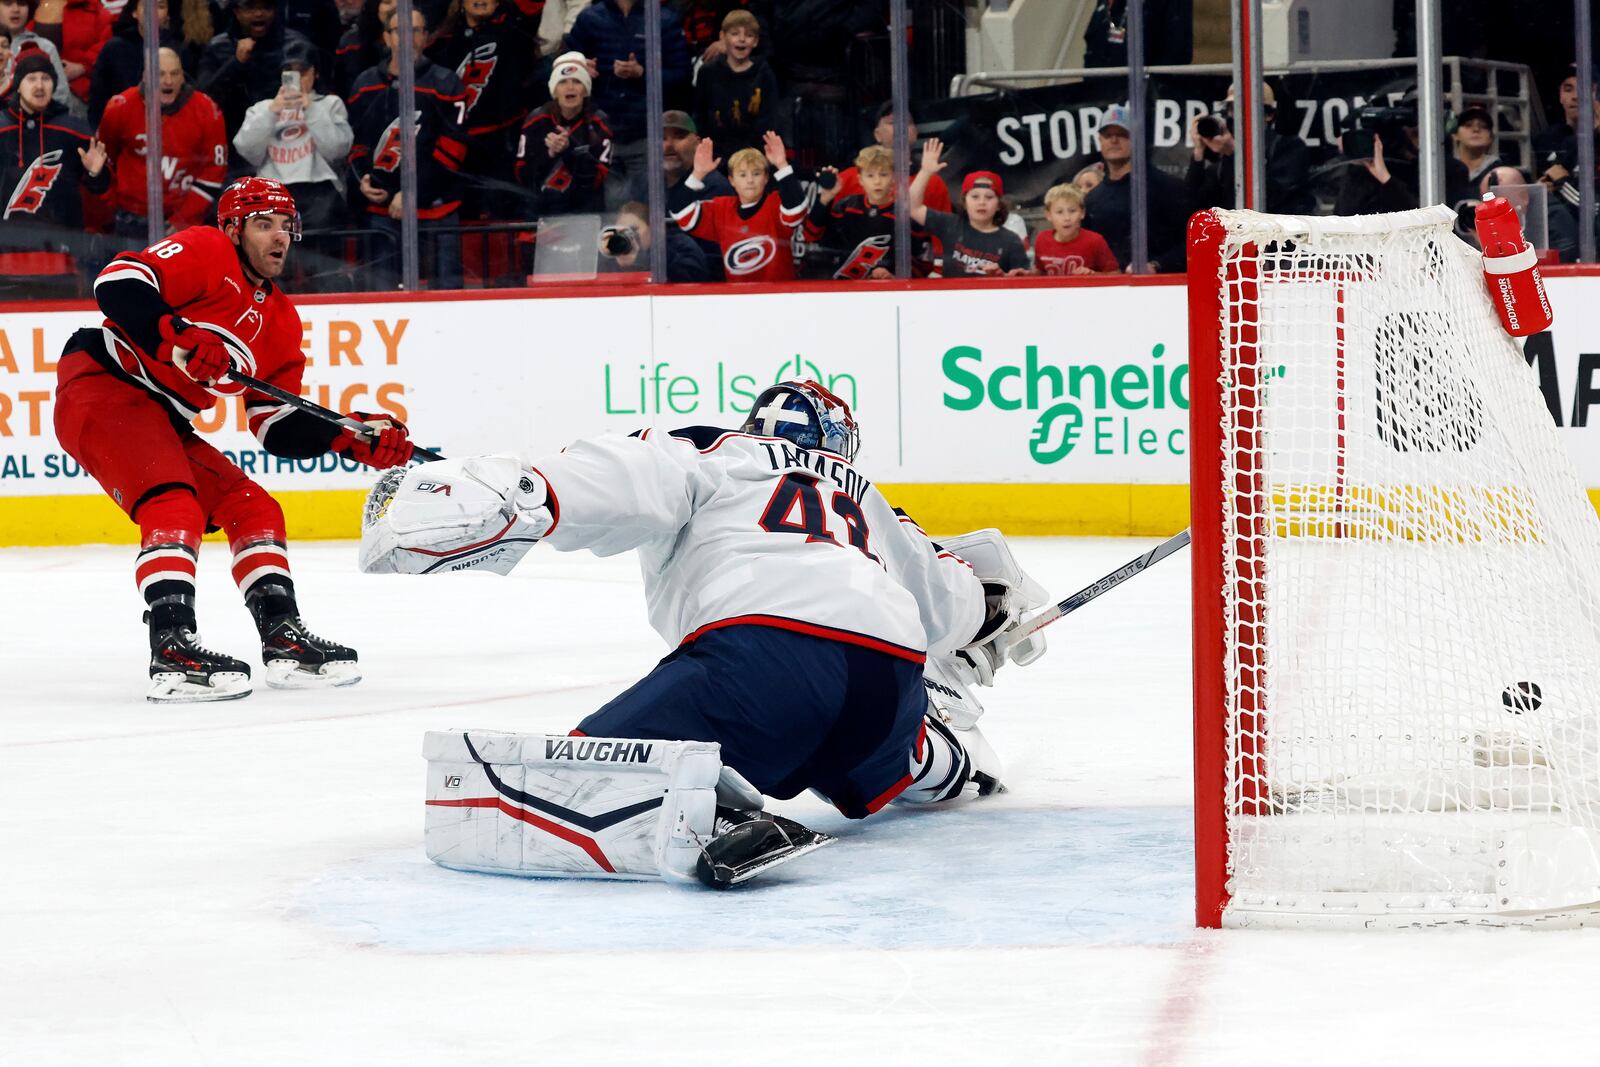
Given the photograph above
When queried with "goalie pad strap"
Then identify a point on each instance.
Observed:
(579, 807)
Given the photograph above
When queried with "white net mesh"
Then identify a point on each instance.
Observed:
(1410, 578)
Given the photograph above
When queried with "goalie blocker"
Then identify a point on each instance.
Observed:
(598, 807)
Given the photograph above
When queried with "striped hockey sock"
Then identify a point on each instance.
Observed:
(164, 571)
(261, 571)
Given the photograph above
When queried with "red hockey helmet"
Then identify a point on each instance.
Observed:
(257, 196)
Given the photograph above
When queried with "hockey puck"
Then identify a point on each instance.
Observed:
(1521, 697)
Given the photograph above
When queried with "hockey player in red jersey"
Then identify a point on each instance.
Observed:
(178, 317)
(754, 228)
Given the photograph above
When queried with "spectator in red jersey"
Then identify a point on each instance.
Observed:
(15, 15)
(493, 48)
(938, 196)
(78, 29)
(49, 163)
(244, 63)
(565, 150)
(975, 243)
(754, 228)
(194, 152)
(440, 104)
(736, 97)
(1065, 247)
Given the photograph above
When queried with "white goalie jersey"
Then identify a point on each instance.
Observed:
(733, 528)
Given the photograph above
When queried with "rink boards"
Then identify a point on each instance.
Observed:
(1032, 405)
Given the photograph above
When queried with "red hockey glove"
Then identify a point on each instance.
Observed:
(197, 352)
(389, 448)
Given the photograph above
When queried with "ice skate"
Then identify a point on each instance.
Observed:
(746, 843)
(296, 658)
(184, 672)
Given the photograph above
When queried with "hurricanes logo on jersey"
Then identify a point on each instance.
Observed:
(869, 255)
(476, 70)
(387, 157)
(37, 181)
(750, 255)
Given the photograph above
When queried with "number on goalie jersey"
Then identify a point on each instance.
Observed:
(799, 605)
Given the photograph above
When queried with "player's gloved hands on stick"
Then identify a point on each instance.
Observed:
(390, 446)
(197, 352)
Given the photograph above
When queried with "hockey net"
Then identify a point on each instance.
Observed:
(1397, 589)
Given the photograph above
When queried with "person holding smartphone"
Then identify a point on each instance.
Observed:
(300, 138)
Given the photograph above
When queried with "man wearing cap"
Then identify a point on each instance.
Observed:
(15, 16)
(1288, 169)
(680, 136)
(564, 153)
(300, 138)
(46, 157)
(243, 64)
(1475, 142)
(1109, 206)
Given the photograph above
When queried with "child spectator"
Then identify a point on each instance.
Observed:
(862, 224)
(565, 151)
(976, 245)
(194, 151)
(1066, 247)
(79, 29)
(938, 196)
(702, 25)
(300, 138)
(492, 47)
(734, 99)
(1089, 177)
(753, 228)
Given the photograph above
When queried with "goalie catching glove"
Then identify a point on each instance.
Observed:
(482, 513)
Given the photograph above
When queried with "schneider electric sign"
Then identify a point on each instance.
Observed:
(1066, 408)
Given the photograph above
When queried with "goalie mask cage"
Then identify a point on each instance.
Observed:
(1396, 572)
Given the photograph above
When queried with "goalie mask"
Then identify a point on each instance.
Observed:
(807, 414)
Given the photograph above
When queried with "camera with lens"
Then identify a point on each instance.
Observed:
(1210, 126)
(619, 241)
(1381, 120)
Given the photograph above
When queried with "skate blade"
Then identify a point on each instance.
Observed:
(175, 688)
(726, 876)
(287, 674)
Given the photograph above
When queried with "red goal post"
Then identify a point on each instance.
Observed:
(1389, 548)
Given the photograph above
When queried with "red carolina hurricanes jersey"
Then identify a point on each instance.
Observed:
(756, 241)
(197, 273)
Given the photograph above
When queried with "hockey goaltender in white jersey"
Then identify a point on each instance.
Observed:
(758, 546)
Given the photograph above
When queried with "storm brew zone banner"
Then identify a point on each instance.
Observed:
(1034, 138)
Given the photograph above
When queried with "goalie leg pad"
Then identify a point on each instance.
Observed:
(946, 760)
(573, 807)
(480, 513)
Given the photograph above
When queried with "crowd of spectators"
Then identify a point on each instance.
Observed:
(531, 116)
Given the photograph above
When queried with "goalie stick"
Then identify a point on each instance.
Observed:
(1045, 616)
(318, 410)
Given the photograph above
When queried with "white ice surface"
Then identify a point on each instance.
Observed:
(244, 883)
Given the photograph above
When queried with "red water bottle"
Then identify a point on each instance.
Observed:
(1511, 269)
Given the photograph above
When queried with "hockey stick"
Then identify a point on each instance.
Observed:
(1045, 616)
(313, 408)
